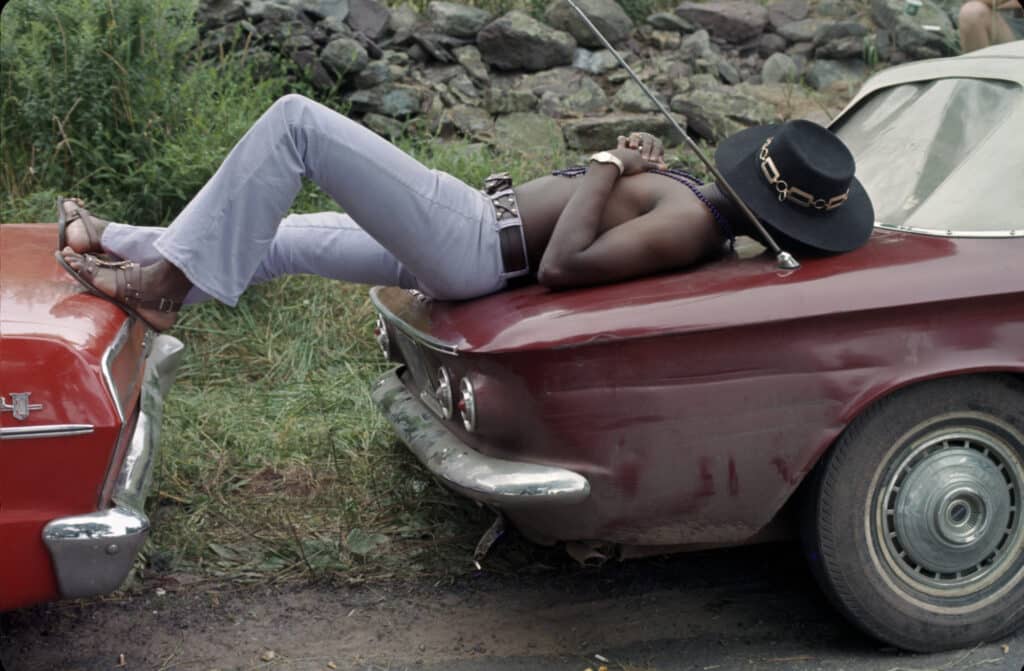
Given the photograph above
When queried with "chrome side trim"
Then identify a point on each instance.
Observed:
(93, 553)
(422, 338)
(1008, 233)
(115, 348)
(499, 482)
(45, 431)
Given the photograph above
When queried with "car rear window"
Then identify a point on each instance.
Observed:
(932, 155)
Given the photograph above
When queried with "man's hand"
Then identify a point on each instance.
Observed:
(649, 147)
(640, 152)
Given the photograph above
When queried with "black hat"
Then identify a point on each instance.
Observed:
(797, 177)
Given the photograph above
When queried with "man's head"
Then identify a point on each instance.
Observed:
(798, 178)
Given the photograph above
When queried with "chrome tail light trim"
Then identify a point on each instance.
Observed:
(467, 404)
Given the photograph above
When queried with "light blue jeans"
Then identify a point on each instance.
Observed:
(417, 228)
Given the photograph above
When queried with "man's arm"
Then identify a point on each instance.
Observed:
(672, 235)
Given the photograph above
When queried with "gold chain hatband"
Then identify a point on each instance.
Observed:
(792, 193)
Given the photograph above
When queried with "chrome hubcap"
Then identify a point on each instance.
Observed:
(949, 515)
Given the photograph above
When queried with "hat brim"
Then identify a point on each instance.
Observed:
(840, 230)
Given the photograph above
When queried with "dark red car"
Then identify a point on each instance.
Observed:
(81, 392)
(876, 396)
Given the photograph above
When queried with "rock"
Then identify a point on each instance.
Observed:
(696, 46)
(384, 126)
(585, 98)
(801, 53)
(908, 31)
(665, 40)
(714, 111)
(375, 73)
(271, 12)
(834, 9)
(403, 19)
(469, 58)
(802, 31)
(770, 43)
(332, 26)
(344, 56)
(509, 101)
(560, 79)
(727, 72)
(517, 41)
(779, 68)
(669, 21)
(217, 13)
(313, 70)
(824, 74)
(631, 98)
(398, 101)
(734, 21)
(782, 12)
(840, 41)
(277, 32)
(455, 19)
(594, 62)
(532, 135)
(321, 9)
(471, 121)
(298, 42)
(607, 15)
(369, 17)
(603, 132)
(463, 88)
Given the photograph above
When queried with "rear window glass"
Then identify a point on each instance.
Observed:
(928, 154)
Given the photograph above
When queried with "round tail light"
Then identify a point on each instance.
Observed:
(443, 393)
(467, 404)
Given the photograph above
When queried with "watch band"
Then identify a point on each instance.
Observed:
(610, 158)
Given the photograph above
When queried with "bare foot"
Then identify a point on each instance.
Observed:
(85, 230)
(154, 292)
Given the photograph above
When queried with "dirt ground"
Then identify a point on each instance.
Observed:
(745, 609)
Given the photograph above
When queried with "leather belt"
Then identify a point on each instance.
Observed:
(514, 259)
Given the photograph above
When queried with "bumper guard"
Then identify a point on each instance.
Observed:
(93, 554)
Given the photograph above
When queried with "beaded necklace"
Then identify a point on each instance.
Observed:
(683, 178)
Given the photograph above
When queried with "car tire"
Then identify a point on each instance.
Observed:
(913, 523)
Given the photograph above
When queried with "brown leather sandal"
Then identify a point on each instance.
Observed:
(129, 294)
(79, 213)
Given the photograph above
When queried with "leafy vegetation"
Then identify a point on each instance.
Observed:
(108, 101)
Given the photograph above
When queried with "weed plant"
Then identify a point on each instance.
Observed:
(108, 101)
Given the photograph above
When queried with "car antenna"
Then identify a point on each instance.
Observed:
(784, 259)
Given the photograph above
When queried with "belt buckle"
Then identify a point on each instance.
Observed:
(497, 181)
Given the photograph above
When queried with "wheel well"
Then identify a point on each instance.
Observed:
(801, 490)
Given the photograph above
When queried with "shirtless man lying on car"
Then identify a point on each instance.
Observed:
(623, 216)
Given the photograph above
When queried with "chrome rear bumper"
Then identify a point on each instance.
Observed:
(93, 554)
(495, 481)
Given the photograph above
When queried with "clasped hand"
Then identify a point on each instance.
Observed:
(640, 152)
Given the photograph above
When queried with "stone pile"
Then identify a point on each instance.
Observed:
(521, 82)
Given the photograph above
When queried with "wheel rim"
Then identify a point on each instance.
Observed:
(948, 520)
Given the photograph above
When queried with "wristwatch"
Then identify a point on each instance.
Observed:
(608, 157)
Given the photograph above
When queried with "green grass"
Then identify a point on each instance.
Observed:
(275, 462)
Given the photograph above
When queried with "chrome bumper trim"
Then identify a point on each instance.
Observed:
(45, 431)
(495, 481)
(93, 553)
